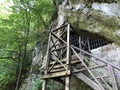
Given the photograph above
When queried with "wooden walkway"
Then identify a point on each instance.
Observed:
(65, 60)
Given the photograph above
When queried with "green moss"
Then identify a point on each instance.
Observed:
(103, 25)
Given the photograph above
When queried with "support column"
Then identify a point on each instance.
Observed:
(44, 84)
(67, 83)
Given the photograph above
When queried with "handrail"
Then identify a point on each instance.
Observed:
(116, 67)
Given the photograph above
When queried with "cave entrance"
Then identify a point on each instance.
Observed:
(87, 41)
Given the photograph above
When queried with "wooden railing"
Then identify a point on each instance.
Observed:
(97, 73)
(62, 58)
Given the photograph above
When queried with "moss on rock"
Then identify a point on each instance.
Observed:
(96, 22)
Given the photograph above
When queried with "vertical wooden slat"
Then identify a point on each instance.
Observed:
(112, 76)
(44, 84)
(48, 54)
(67, 83)
(88, 43)
(80, 44)
(67, 79)
(68, 44)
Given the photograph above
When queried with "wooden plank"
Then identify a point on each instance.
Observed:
(63, 51)
(74, 62)
(73, 58)
(48, 54)
(67, 83)
(58, 66)
(68, 44)
(114, 84)
(60, 39)
(44, 84)
(59, 27)
(57, 74)
(57, 70)
(93, 67)
(117, 72)
(80, 46)
(99, 77)
(92, 75)
(88, 81)
(106, 85)
(52, 65)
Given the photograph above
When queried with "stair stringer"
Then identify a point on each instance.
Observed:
(88, 81)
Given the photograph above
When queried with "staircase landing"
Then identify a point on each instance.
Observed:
(65, 59)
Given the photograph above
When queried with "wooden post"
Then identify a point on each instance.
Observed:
(67, 83)
(68, 44)
(67, 79)
(48, 54)
(44, 84)
(80, 45)
(88, 43)
(113, 80)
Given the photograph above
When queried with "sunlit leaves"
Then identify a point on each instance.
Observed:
(19, 33)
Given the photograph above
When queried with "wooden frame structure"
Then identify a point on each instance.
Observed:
(62, 59)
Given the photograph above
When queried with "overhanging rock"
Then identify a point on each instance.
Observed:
(93, 20)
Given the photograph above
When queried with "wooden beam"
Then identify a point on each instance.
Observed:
(59, 27)
(44, 84)
(67, 83)
(113, 80)
(92, 75)
(57, 74)
(48, 55)
(60, 62)
(88, 81)
(93, 67)
(57, 70)
(50, 68)
(68, 44)
(59, 38)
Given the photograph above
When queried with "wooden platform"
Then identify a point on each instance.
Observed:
(69, 55)
(59, 71)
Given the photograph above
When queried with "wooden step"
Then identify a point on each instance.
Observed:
(64, 60)
(60, 66)
(75, 62)
(56, 74)
(57, 70)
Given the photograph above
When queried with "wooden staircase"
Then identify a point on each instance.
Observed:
(65, 60)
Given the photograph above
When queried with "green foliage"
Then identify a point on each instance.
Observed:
(7, 73)
(20, 30)
(38, 85)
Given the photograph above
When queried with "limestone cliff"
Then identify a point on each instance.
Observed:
(96, 16)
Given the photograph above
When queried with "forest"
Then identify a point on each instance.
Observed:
(23, 24)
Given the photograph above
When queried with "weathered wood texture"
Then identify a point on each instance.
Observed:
(65, 59)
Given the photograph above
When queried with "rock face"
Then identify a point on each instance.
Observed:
(96, 16)
(100, 18)
(110, 53)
